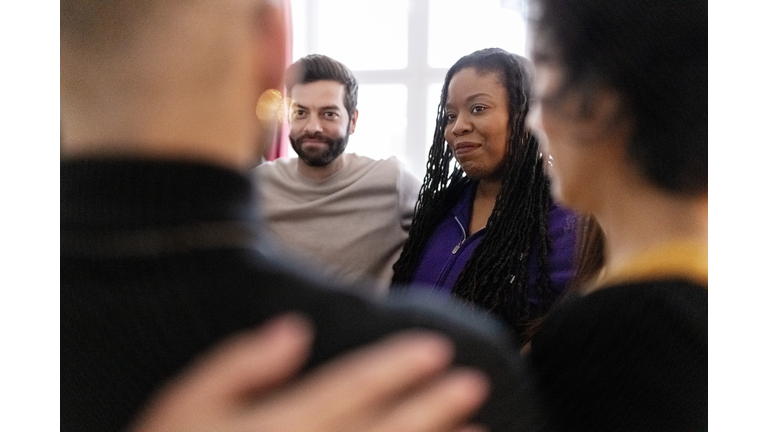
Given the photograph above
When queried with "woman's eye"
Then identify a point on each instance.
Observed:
(450, 117)
(477, 109)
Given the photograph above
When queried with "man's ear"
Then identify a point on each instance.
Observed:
(270, 55)
(353, 122)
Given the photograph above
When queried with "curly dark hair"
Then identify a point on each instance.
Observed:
(654, 53)
(496, 276)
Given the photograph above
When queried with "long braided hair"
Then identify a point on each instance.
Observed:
(496, 276)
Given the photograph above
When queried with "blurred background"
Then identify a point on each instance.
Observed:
(400, 50)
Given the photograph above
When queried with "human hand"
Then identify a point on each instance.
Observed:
(399, 384)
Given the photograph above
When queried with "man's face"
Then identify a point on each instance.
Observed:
(320, 125)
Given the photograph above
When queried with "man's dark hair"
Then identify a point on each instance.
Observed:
(519, 215)
(654, 54)
(317, 67)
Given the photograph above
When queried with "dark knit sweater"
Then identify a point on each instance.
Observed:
(161, 260)
(626, 358)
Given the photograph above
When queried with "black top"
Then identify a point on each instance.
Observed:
(627, 358)
(161, 260)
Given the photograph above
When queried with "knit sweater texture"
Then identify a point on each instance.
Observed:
(160, 261)
(354, 222)
(628, 357)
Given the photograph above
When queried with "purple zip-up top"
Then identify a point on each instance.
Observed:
(450, 247)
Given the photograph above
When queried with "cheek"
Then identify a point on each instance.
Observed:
(551, 139)
(559, 177)
(334, 129)
(500, 150)
(501, 142)
(544, 123)
(572, 175)
(295, 128)
(341, 129)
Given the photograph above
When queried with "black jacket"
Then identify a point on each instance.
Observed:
(162, 260)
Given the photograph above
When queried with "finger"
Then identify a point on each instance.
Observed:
(446, 403)
(254, 361)
(246, 363)
(362, 381)
(472, 428)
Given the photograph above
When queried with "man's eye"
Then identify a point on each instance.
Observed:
(331, 115)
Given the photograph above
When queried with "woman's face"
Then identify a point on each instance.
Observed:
(583, 148)
(477, 129)
(551, 127)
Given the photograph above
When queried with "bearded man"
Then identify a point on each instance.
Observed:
(348, 213)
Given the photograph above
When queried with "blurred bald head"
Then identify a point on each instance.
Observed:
(168, 79)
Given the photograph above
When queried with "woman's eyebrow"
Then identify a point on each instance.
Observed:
(472, 97)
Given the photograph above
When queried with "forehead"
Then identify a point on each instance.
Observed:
(318, 94)
(469, 83)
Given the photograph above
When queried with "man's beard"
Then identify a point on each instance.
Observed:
(320, 158)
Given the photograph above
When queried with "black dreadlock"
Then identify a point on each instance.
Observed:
(496, 276)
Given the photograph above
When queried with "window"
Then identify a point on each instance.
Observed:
(400, 50)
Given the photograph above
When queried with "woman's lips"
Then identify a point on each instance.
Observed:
(464, 148)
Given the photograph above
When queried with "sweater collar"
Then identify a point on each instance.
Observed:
(683, 259)
(134, 193)
(463, 207)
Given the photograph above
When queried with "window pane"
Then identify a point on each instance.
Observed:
(459, 27)
(364, 35)
(382, 121)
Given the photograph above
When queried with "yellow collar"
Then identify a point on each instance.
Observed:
(687, 259)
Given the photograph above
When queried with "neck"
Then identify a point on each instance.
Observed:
(320, 173)
(482, 206)
(169, 129)
(488, 189)
(643, 218)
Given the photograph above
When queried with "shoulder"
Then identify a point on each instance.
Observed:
(562, 219)
(281, 174)
(407, 182)
(390, 170)
(391, 163)
(627, 357)
(632, 307)
(479, 340)
(278, 167)
(357, 162)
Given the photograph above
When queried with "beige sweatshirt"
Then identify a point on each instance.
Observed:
(353, 223)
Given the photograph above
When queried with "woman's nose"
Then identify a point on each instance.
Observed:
(461, 125)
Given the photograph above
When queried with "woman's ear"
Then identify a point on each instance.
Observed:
(602, 113)
(609, 109)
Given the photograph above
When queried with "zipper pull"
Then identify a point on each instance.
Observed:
(456, 249)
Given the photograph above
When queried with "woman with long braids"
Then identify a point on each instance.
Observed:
(485, 228)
